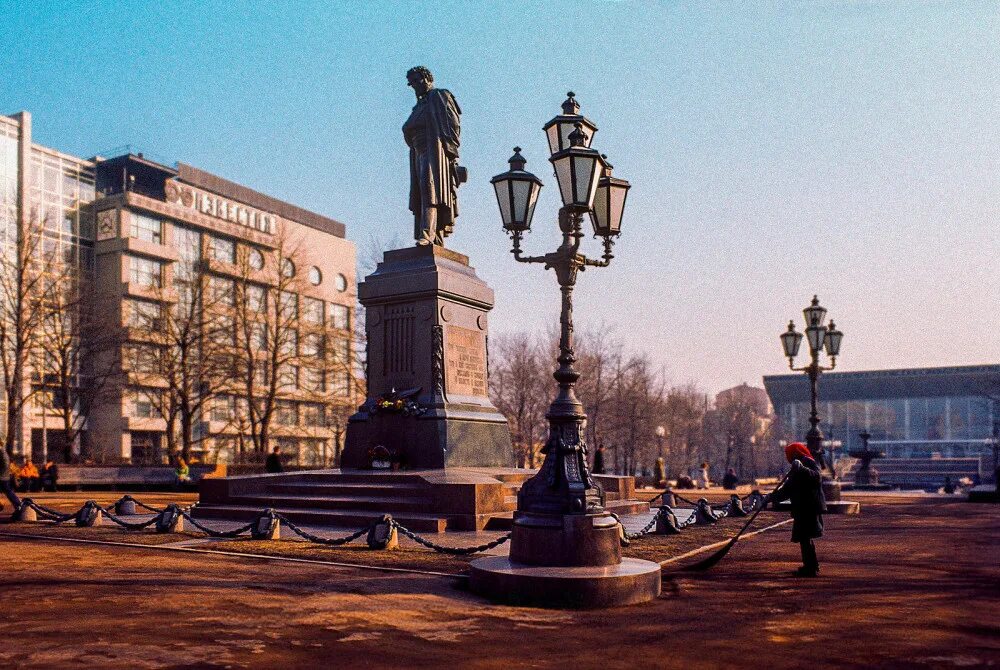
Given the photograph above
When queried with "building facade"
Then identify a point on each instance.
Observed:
(915, 413)
(168, 258)
(45, 196)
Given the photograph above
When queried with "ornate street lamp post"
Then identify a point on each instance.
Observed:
(820, 337)
(560, 522)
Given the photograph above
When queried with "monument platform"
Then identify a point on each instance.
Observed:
(422, 500)
(428, 404)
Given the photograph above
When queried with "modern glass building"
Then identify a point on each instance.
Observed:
(917, 413)
(45, 195)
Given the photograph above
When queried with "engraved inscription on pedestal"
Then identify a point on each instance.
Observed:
(398, 337)
(465, 361)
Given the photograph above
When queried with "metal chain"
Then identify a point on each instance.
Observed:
(328, 541)
(211, 532)
(454, 551)
(128, 525)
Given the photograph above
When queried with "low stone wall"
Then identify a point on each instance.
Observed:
(131, 476)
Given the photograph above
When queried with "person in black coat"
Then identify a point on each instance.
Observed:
(273, 462)
(50, 476)
(804, 488)
(599, 461)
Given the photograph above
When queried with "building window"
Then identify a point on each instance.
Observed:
(312, 310)
(315, 276)
(312, 344)
(341, 283)
(223, 250)
(313, 379)
(141, 405)
(290, 345)
(259, 337)
(340, 316)
(256, 298)
(286, 414)
(288, 377)
(146, 228)
(312, 414)
(142, 314)
(143, 358)
(255, 258)
(223, 291)
(288, 306)
(188, 244)
(287, 268)
(224, 408)
(145, 272)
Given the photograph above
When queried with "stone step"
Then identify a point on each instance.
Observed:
(389, 489)
(348, 519)
(386, 504)
(366, 477)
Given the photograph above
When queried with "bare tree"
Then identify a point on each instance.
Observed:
(71, 369)
(267, 332)
(520, 389)
(25, 267)
(186, 356)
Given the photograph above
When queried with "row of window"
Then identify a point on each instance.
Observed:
(222, 292)
(220, 249)
(227, 408)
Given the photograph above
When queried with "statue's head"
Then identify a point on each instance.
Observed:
(420, 79)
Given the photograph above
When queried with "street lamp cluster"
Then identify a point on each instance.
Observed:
(587, 188)
(820, 338)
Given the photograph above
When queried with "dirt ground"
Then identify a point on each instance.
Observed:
(911, 583)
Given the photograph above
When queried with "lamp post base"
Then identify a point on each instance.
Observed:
(630, 582)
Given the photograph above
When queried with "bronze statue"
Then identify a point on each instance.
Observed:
(432, 133)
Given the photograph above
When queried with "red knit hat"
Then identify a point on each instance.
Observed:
(796, 450)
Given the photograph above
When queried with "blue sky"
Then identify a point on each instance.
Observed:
(776, 150)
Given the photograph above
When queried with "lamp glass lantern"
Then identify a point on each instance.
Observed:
(832, 340)
(558, 130)
(517, 194)
(578, 171)
(815, 314)
(816, 335)
(791, 341)
(609, 203)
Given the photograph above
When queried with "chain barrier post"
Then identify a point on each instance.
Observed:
(26, 512)
(383, 535)
(89, 515)
(735, 507)
(668, 499)
(170, 520)
(267, 526)
(703, 514)
(666, 522)
(125, 507)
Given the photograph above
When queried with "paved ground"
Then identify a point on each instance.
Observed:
(910, 583)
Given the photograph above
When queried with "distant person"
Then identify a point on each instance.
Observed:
(730, 480)
(183, 472)
(599, 461)
(685, 482)
(703, 481)
(949, 486)
(803, 487)
(50, 476)
(273, 462)
(660, 472)
(7, 479)
(29, 476)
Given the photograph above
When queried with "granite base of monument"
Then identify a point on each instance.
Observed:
(428, 404)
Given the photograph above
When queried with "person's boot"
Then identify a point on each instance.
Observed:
(806, 571)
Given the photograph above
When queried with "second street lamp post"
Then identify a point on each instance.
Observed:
(820, 337)
(564, 545)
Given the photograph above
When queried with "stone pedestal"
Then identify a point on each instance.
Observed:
(426, 325)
